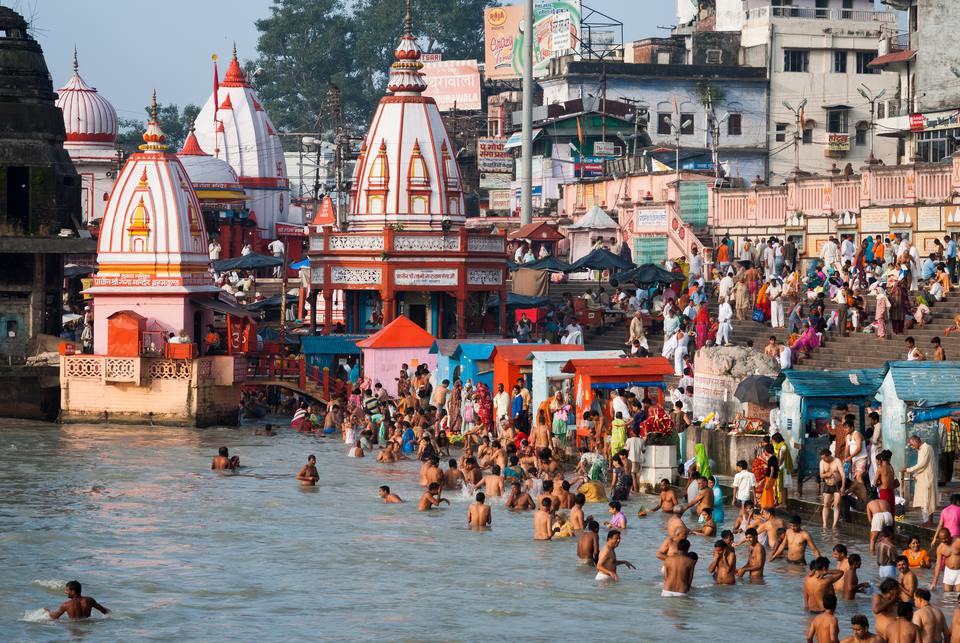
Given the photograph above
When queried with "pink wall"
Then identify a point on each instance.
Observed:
(170, 312)
(383, 364)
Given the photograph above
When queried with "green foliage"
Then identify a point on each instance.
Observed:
(305, 45)
(174, 122)
(708, 93)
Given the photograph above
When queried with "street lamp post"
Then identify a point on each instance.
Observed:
(867, 93)
(797, 132)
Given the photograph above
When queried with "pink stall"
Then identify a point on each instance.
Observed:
(399, 342)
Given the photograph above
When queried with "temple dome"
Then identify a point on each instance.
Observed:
(407, 171)
(89, 118)
(213, 179)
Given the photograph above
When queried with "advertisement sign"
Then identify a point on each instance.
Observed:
(290, 230)
(535, 190)
(431, 58)
(601, 148)
(503, 36)
(495, 180)
(499, 200)
(588, 166)
(425, 277)
(917, 121)
(453, 82)
(838, 142)
(492, 156)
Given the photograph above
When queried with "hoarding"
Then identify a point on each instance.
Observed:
(838, 142)
(492, 156)
(453, 82)
(503, 36)
(495, 180)
(499, 200)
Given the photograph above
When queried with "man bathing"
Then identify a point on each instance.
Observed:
(308, 475)
(607, 562)
(222, 461)
(76, 605)
(431, 498)
(668, 498)
(478, 515)
(678, 570)
(588, 545)
(389, 498)
(795, 543)
(756, 557)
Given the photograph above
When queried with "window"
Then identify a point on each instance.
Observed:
(807, 135)
(663, 123)
(936, 145)
(493, 127)
(823, 8)
(686, 120)
(839, 62)
(777, 7)
(714, 56)
(663, 57)
(796, 60)
(864, 58)
(861, 137)
(847, 6)
(837, 121)
(781, 132)
(735, 125)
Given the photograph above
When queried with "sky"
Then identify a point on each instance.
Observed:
(128, 47)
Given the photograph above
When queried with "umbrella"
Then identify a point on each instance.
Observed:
(518, 301)
(247, 262)
(303, 263)
(754, 389)
(547, 263)
(269, 302)
(645, 275)
(69, 272)
(600, 259)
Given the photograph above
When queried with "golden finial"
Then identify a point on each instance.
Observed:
(234, 51)
(408, 21)
(76, 65)
(153, 106)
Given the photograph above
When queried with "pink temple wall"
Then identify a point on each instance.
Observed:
(383, 364)
(171, 312)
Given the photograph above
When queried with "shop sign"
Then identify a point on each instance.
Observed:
(425, 277)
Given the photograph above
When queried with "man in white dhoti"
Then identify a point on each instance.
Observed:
(682, 342)
(924, 474)
(724, 323)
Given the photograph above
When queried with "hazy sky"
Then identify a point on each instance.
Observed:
(127, 47)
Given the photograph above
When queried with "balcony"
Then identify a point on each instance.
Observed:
(811, 13)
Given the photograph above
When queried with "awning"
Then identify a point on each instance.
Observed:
(837, 106)
(516, 139)
(222, 307)
(895, 57)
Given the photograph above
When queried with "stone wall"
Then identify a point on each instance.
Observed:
(724, 449)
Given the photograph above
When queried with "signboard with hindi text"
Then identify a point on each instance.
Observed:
(453, 83)
(425, 277)
(874, 219)
(499, 200)
(492, 156)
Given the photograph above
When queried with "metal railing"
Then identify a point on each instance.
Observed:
(811, 13)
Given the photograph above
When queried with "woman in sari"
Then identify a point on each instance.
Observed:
(808, 341)
(702, 321)
(899, 306)
(860, 263)
(484, 407)
(785, 460)
(703, 462)
(880, 317)
(768, 494)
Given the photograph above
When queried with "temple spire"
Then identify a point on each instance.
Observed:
(408, 22)
(76, 65)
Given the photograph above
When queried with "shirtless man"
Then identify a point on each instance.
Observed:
(861, 631)
(678, 570)
(76, 605)
(902, 629)
(432, 474)
(389, 498)
(884, 603)
(851, 582)
(588, 545)
(824, 627)
(724, 564)
(431, 498)
(543, 521)
(308, 475)
(389, 453)
(478, 515)
(833, 485)
(519, 500)
(703, 500)
(818, 584)
(562, 495)
(948, 558)
(955, 621)
(492, 482)
(756, 557)
(795, 543)
(576, 513)
(840, 555)
(470, 471)
(607, 562)
(908, 580)
(886, 480)
(668, 498)
(223, 461)
(675, 533)
(930, 619)
(879, 515)
(452, 478)
(768, 528)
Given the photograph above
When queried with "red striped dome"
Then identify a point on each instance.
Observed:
(88, 117)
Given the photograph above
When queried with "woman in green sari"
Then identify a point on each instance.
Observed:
(782, 451)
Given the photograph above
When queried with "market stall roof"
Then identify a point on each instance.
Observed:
(853, 383)
(647, 368)
(449, 346)
(595, 219)
(520, 353)
(330, 344)
(537, 231)
(251, 261)
(930, 382)
(400, 333)
(473, 351)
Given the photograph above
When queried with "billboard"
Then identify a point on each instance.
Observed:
(556, 31)
(452, 82)
(499, 200)
(492, 156)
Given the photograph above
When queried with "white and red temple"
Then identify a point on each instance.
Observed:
(233, 126)
(402, 247)
(91, 125)
(153, 282)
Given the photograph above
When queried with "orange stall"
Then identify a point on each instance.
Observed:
(510, 361)
(124, 333)
(589, 375)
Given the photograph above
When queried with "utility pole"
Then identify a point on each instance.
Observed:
(677, 128)
(526, 162)
(797, 134)
(333, 96)
(868, 94)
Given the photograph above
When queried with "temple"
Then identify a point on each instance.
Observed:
(153, 299)
(234, 127)
(402, 247)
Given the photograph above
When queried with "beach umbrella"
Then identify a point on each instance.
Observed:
(754, 390)
(645, 275)
(251, 261)
(600, 259)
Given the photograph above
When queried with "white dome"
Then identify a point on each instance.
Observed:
(88, 117)
(203, 169)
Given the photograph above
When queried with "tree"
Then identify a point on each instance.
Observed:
(174, 122)
(307, 44)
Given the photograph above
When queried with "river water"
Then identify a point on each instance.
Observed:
(182, 553)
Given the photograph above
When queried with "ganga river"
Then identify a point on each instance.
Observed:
(182, 553)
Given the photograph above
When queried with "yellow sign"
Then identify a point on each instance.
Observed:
(838, 142)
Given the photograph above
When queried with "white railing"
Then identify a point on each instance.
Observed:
(811, 13)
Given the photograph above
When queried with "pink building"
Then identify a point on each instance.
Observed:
(919, 201)
(399, 342)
